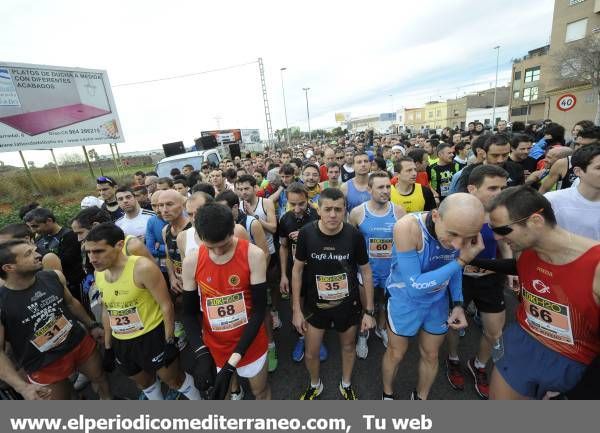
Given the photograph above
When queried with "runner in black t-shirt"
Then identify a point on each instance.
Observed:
(329, 255)
(289, 225)
(41, 321)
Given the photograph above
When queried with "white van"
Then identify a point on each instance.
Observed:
(195, 159)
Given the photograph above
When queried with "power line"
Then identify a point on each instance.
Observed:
(176, 77)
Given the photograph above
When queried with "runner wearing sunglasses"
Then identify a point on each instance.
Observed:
(558, 329)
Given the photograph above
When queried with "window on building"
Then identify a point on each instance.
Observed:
(576, 30)
(519, 111)
(574, 2)
(517, 75)
(570, 68)
(516, 94)
(430, 114)
(438, 113)
(418, 115)
(532, 74)
(531, 93)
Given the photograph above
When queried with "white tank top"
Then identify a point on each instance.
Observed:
(190, 240)
(260, 214)
(575, 213)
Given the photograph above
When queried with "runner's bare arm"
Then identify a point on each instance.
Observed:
(147, 274)
(367, 277)
(344, 188)
(356, 215)
(297, 270)
(270, 225)
(73, 304)
(558, 169)
(399, 211)
(284, 284)
(258, 233)
(107, 329)
(275, 196)
(257, 262)
(240, 232)
(10, 375)
(136, 247)
(51, 261)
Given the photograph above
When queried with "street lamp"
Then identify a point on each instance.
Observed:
(306, 89)
(287, 128)
(497, 48)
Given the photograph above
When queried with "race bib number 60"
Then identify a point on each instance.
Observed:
(332, 287)
(380, 248)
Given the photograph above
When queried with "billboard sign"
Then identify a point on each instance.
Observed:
(224, 136)
(342, 117)
(45, 107)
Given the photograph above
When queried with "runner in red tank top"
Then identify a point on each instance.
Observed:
(227, 279)
(558, 331)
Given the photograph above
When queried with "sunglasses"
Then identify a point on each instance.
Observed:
(507, 229)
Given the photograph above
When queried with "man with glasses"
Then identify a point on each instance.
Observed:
(484, 288)
(557, 333)
(107, 187)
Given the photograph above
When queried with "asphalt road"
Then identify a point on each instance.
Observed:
(290, 378)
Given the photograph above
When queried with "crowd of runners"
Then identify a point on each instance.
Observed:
(386, 236)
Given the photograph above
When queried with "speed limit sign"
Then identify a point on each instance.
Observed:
(566, 102)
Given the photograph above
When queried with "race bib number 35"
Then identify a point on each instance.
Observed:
(332, 287)
(125, 321)
(547, 318)
(226, 312)
(380, 248)
(52, 334)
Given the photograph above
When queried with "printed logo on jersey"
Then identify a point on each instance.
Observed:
(540, 286)
(544, 271)
(234, 280)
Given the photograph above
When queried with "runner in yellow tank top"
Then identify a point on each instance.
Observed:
(409, 194)
(138, 310)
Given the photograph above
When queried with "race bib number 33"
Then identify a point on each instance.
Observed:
(226, 312)
(125, 321)
(548, 318)
(380, 248)
(332, 287)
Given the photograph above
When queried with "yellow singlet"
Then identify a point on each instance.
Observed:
(414, 202)
(132, 310)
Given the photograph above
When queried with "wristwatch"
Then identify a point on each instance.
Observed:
(370, 313)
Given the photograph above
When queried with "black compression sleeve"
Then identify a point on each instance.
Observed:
(502, 266)
(192, 318)
(257, 316)
(588, 388)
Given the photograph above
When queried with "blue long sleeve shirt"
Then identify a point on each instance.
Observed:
(153, 235)
(538, 149)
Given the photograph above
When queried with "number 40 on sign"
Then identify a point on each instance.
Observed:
(566, 102)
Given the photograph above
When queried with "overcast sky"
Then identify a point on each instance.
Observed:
(352, 54)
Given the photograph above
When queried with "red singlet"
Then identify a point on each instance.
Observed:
(557, 304)
(226, 303)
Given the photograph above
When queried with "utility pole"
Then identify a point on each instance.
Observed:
(306, 89)
(497, 48)
(287, 128)
(263, 84)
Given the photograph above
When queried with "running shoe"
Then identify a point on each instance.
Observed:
(276, 320)
(173, 394)
(415, 395)
(312, 392)
(347, 392)
(298, 352)
(362, 348)
(454, 374)
(382, 333)
(80, 382)
(238, 395)
(323, 353)
(272, 359)
(482, 385)
(385, 396)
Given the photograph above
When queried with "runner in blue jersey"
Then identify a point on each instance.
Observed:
(484, 288)
(431, 248)
(356, 189)
(375, 220)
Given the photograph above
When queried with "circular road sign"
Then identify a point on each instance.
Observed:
(566, 102)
